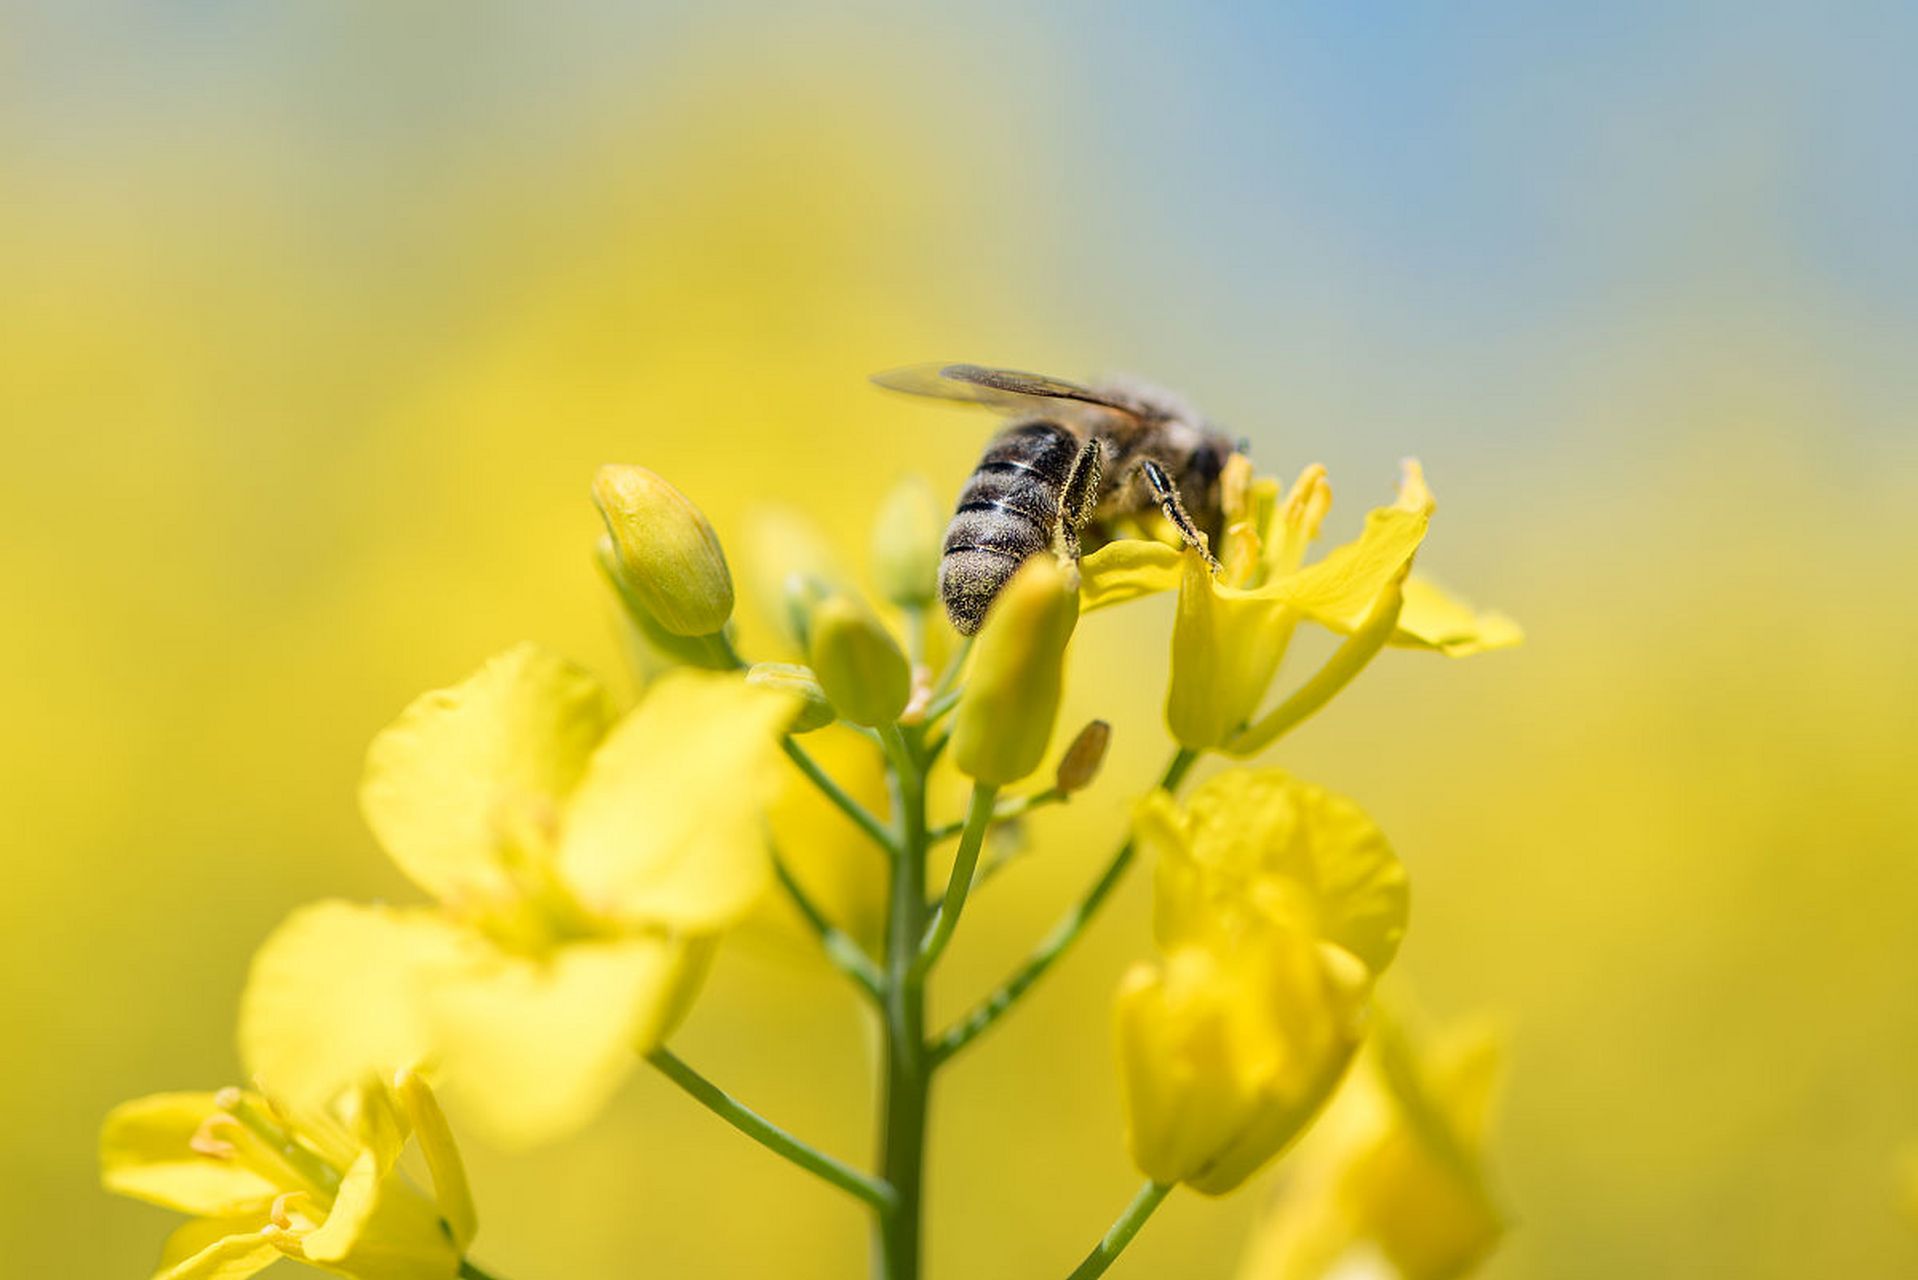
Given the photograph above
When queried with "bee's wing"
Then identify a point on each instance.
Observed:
(1007, 390)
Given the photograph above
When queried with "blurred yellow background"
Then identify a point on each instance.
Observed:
(314, 322)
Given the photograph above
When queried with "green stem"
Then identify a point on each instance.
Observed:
(959, 883)
(940, 704)
(470, 1270)
(1120, 1233)
(724, 656)
(860, 815)
(1056, 942)
(1018, 807)
(908, 1067)
(768, 1134)
(847, 955)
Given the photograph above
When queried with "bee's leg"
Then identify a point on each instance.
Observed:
(1079, 497)
(1168, 496)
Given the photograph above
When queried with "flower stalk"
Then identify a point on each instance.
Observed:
(1122, 1230)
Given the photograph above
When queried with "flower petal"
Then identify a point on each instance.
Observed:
(666, 828)
(219, 1249)
(1226, 1051)
(146, 1153)
(469, 777)
(532, 1049)
(334, 996)
(1253, 847)
(1126, 570)
(1339, 590)
(451, 1190)
(1433, 619)
(381, 1228)
(1226, 646)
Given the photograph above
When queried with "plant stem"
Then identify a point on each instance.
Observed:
(846, 955)
(1017, 807)
(959, 883)
(908, 1067)
(1120, 1233)
(860, 815)
(768, 1134)
(470, 1270)
(1058, 940)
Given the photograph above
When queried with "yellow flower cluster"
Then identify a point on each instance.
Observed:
(581, 860)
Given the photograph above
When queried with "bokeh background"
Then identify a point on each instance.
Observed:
(314, 321)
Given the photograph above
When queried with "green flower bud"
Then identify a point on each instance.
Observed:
(815, 712)
(1080, 763)
(652, 648)
(672, 558)
(858, 663)
(1005, 717)
(906, 537)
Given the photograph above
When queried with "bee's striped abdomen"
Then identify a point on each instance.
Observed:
(1008, 510)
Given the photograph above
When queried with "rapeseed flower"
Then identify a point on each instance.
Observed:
(1233, 627)
(583, 864)
(1252, 847)
(321, 1187)
(1392, 1185)
(1276, 905)
(1227, 1051)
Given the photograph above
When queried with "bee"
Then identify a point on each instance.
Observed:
(1071, 460)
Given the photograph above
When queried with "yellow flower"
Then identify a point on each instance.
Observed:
(1228, 1049)
(319, 1187)
(1392, 1183)
(583, 864)
(1232, 630)
(1252, 847)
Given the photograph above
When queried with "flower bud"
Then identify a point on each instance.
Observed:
(672, 558)
(906, 538)
(858, 663)
(653, 649)
(1080, 763)
(815, 712)
(1006, 715)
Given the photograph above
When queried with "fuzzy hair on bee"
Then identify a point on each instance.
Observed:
(1071, 460)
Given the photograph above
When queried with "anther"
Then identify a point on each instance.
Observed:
(206, 1140)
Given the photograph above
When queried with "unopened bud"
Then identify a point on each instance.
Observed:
(1005, 717)
(815, 712)
(672, 558)
(906, 537)
(858, 663)
(654, 649)
(1080, 763)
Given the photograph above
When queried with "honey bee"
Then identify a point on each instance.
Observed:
(1071, 460)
